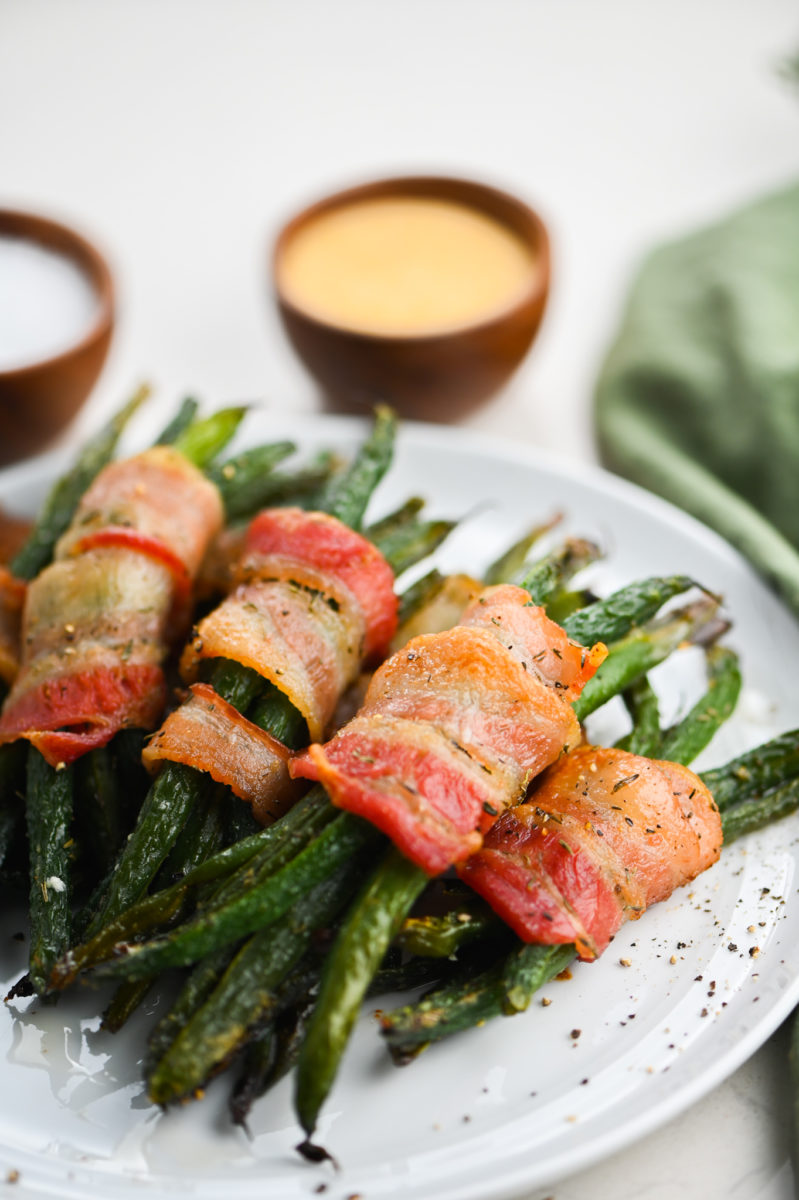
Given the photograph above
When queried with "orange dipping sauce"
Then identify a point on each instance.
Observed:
(404, 266)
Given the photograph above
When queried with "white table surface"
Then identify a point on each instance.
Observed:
(179, 135)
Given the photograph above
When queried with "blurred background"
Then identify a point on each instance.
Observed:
(180, 135)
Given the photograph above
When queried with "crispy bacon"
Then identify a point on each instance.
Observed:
(211, 735)
(314, 599)
(455, 726)
(604, 835)
(98, 622)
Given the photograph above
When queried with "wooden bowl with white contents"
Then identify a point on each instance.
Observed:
(423, 291)
(56, 320)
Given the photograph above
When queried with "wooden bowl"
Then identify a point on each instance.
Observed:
(38, 400)
(437, 376)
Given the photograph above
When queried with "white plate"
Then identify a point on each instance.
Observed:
(519, 1102)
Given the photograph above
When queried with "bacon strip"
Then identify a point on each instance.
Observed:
(314, 599)
(98, 622)
(158, 495)
(211, 735)
(455, 726)
(349, 561)
(605, 835)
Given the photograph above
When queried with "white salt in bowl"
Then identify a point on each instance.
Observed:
(56, 321)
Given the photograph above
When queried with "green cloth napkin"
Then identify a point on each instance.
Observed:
(698, 398)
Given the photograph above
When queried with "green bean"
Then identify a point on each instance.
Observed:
(101, 815)
(642, 649)
(198, 840)
(442, 935)
(239, 821)
(155, 910)
(132, 777)
(195, 991)
(305, 820)
(306, 485)
(759, 811)
(237, 684)
(469, 1000)
(172, 797)
(256, 908)
(368, 929)
(547, 577)
(526, 969)
(511, 563)
(350, 495)
(257, 1075)
(684, 741)
(611, 619)
(643, 706)
(201, 441)
(387, 526)
(282, 838)
(244, 481)
(59, 507)
(756, 771)
(292, 834)
(272, 1049)
(10, 822)
(123, 1004)
(416, 972)
(247, 992)
(49, 814)
(566, 602)
(182, 419)
(408, 545)
(256, 1078)
(273, 711)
